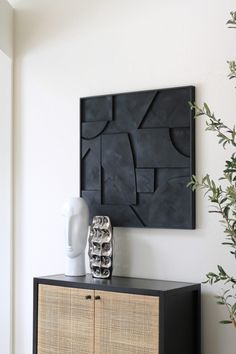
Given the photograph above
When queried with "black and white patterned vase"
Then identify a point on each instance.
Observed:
(101, 247)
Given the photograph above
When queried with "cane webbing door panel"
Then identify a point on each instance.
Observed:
(126, 323)
(65, 320)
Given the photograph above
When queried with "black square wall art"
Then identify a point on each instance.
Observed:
(137, 156)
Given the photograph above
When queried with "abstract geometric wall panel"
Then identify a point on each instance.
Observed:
(137, 156)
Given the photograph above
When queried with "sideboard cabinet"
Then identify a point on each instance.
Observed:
(83, 315)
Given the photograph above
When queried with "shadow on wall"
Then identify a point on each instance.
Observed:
(125, 256)
(212, 330)
(33, 27)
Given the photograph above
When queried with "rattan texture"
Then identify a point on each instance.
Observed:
(126, 324)
(65, 320)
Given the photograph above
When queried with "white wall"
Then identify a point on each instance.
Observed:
(68, 49)
(6, 15)
(5, 201)
(6, 28)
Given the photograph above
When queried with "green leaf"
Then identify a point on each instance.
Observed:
(207, 109)
(221, 270)
(226, 322)
(223, 200)
(233, 308)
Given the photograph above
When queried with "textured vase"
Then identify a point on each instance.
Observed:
(101, 247)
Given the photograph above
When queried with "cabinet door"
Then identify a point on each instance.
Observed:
(65, 320)
(126, 323)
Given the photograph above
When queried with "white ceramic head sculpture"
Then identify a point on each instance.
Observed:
(76, 230)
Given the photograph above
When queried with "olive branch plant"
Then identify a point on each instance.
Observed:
(222, 198)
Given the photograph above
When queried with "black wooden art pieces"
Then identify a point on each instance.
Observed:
(137, 156)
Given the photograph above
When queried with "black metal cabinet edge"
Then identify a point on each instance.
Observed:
(162, 326)
(198, 307)
(120, 284)
(180, 326)
(35, 317)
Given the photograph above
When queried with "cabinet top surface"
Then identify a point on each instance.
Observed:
(126, 284)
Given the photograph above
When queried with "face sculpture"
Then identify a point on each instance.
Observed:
(76, 229)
